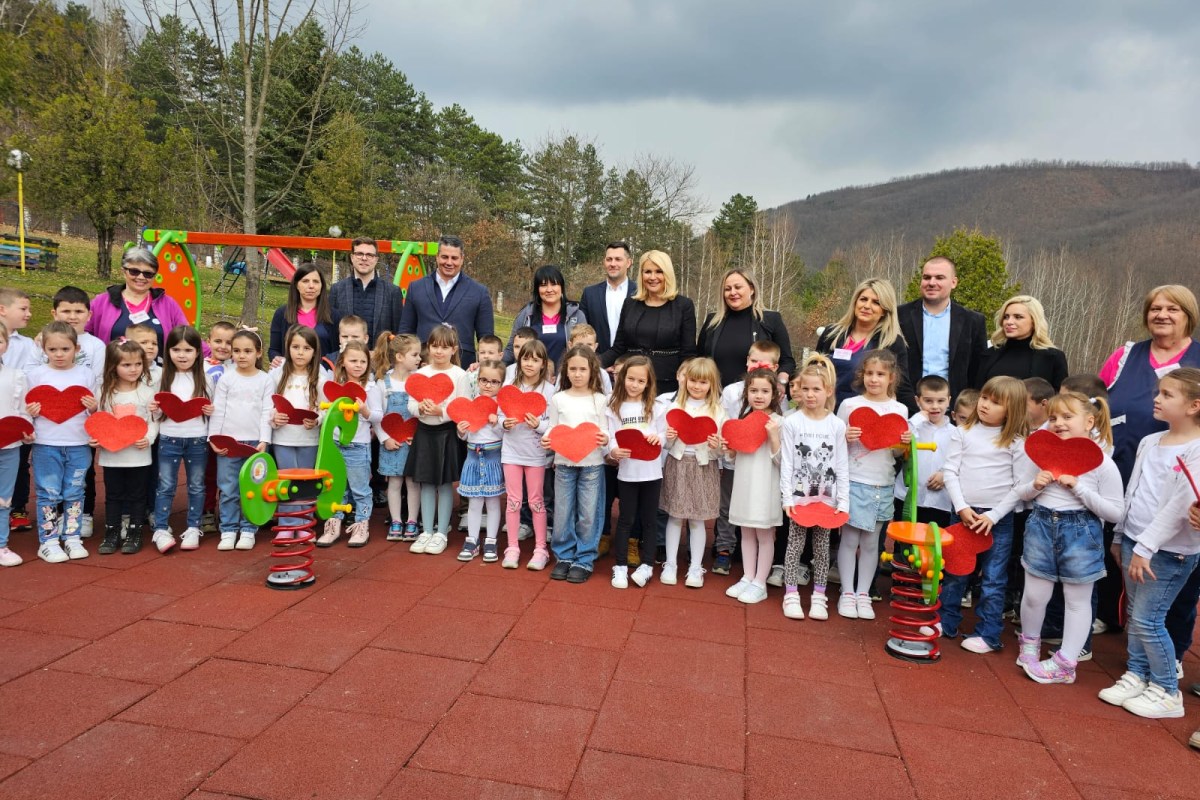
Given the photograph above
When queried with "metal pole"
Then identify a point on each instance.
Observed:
(21, 217)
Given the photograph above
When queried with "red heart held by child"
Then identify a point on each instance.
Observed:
(429, 387)
(400, 429)
(747, 434)
(958, 557)
(58, 406)
(516, 404)
(878, 431)
(1063, 456)
(296, 416)
(473, 412)
(635, 442)
(115, 433)
(232, 447)
(178, 410)
(691, 430)
(574, 444)
(14, 429)
(333, 390)
(817, 515)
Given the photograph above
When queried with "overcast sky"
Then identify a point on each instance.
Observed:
(783, 98)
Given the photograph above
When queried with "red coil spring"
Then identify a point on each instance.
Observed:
(913, 614)
(294, 542)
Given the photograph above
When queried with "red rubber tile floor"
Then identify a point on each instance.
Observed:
(415, 676)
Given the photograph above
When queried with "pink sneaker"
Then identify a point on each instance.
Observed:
(1031, 650)
(1056, 669)
(539, 560)
(8, 558)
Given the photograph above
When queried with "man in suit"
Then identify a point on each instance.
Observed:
(944, 338)
(365, 293)
(449, 296)
(601, 302)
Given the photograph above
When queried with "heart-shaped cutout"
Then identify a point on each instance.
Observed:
(333, 390)
(399, 428)
(516, 404)
(178, 410)
(1057, 456)
(817, 515)
(429, 387)
(959, 556)
(115, 433)
(232, 447)
(14, 429)
(747, 434)
(689, 429)
(296, 416)
(574, 444)
(635, 442)
(58, 406)
(473, 412)
(878, 431)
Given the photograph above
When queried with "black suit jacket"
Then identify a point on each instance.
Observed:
(593, 306)
(968, 343)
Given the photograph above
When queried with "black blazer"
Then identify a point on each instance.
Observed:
(845, 368)
(594, 307)
(968, 343)
(468, 309)
(666, 333)
(771, 328)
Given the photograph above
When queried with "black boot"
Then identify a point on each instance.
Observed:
(133, 539)
(112, 538)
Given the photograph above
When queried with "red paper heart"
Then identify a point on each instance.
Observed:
(333, 390)
(473, 412)
(178, 410)
(1063, 456)
(14, 429)
(296, 416)
(232, 447)
(958, 557)
(58, 406)
(574, 444)
(878, 431)
(429, 387)
(635, 442)
(691, 430)
(115, 433)
(516, 404)
(399, 428)
(747, 434)
(818, 515)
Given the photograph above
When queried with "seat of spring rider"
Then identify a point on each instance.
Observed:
(916, 533)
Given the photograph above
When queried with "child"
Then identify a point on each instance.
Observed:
(145, 335)
(691, 479)
(12, 404)
(814, 468)
(577, 484)
(490, 348)
(755, 482)
(354, 366)
(300, 381)
(21, 356)
(520, 337)
(964, 406)
(125, 391)
(242, 408)
(979, 473)
(352, 329)
(60, 456)
(436, 457)
(1040, 391)
(482, 480)
(1064, 540)
(220, 341)
(181, 442)
(1158, 542)
(930, 424)
(872, 483)
(584, 335)
(523, 457)
(396, 357)
(639, 482)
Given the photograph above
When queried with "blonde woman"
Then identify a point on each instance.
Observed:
(1021, 346)
(870, 323)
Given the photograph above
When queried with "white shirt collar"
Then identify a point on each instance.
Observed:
(446, 285)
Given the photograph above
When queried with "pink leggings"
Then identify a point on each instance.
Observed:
(534, 478)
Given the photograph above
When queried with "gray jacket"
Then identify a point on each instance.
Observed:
(573, 315)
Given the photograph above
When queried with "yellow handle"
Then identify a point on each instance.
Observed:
(927, 445)
(344, 507)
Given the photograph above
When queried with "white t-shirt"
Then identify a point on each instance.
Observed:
(814, 465)
(633, 416)
(70, 433)
(872, 467)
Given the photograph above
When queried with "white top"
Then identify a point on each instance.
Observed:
(70, 433)
(1099, 491)
(631, 470)
(194, 428)
(522, 444)
(123, 404)
(614, 301)
(814, 461)
(992, 470)
(13, 385)
(90, 355)
(702, 451)
(488, 434)
(380, 390)
(242, 407)
(872, 467)
(368, 412)
(458, 377)
(22, 353)
(928, 462)
(567, 409)
(296, 393)
(752, 501)
(1169, 529)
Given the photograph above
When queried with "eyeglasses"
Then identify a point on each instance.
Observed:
(134, 273)
(489, 382)
(360, 254)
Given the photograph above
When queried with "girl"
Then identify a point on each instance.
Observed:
(639, 482)
(12, 404)
(354, 366)
(979, 474)
(755, 482)
(183, 376)
(395, 358)
(436, 458)
(691, 481)
(299, 379)
(60, 457)
(814, 468)
(1159, 544)
(126, 391)
(872, 481)
(578, 485)
(482, 477)
(242, 408)
(524, 458)
(1064, 538)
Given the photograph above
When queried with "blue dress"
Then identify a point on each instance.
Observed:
(395, 401)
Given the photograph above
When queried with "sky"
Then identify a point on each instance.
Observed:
(779, 99)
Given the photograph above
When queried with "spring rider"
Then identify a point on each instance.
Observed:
(311, 493)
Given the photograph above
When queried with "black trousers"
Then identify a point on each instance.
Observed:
(639, 500)
(125, 494)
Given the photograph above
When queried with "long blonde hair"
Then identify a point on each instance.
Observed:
(888, 327)
(701, 369)
(756, 305)
(1040, 339)
(818, 366)
(1008, 393)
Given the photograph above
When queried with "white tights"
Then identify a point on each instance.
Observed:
(758, 549)
(1077, 612)
(696, 537)
(866, 545)
(475, 506)
(393, 497)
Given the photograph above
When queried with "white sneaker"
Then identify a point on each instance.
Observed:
(793, 607)
(736, 590)
(9, 559)
(753, 594)
(642, 575)
(437, 543)
(1155, 703)
(163, 540)
(848, 606)
(776, 576)
(668, 573)
(1178, 670)
(52, 553)
(976, 644)
(245, 541)
(863, 601)
(86, 526)
(1127, 687)
(228, 540)
(695, 578)
(834, 576)
(620, 578)
(524, 532)
(75, 549)
(818, 607)
(803, 575)
(420, 543)
(1099, 626)
(190, 540)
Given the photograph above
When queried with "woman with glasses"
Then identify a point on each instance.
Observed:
(307, 305)
(137, 302)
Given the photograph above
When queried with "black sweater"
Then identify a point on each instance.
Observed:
(1016, 359)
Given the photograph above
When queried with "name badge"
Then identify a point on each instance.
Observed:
(1168, 369)
(1118, 420)
(550, 329)
(139, 317)
(841, 354)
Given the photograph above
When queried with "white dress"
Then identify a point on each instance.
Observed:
(754, 500)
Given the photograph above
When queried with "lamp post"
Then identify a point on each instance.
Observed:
(335, 232)
(19, 161)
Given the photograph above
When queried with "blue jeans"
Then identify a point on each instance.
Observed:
(9, 459)
(990, 609)
(358, 480)
(230, 499)
(58, 474)
(288, 457)
(578, 517)
(193, 452)
(1151, 651)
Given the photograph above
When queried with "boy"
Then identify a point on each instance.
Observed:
(584, 335)
(22, 354)
(930, 424)
(73, 306)
(220, 345)
(1039, 393)
(352, 329)
(490, 348)
(147, 337)
(520, 337)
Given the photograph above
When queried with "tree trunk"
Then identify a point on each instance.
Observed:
(250, 303)
(104, 240)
